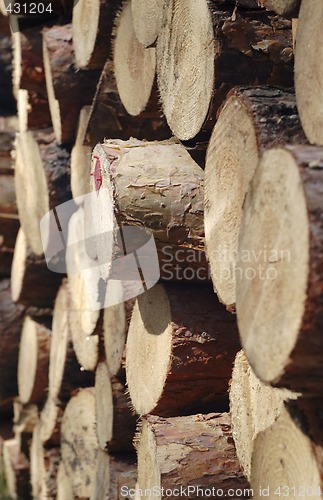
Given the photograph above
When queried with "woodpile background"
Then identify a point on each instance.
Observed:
(200, 122)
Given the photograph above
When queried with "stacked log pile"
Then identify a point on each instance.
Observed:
(160, 208)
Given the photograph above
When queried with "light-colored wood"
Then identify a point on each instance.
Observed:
(279, 263)
(64, 484)
(16, 470)
(189, 451)
(201, 56)
(115, 420)
(282, 7)
(79, 445)
(180, 349)
(33, 361)
(147, 19)
(251, 121)
(253, 407)
(134, 65)
(81, 157)
(308, 70)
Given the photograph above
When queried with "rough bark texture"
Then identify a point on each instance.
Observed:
(68, 89)
(200, 450)
(251, 120)
(109, 118)
(180, 350)
(11, 318)
(297, 363)
(163, 191)
(123, 472)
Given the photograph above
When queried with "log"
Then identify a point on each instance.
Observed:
(197, 32)
(65, 373)
(109, 117)
(254, 407)
(162, 191)
(81, 157)
(115, 420)
(79, 446)
(32, 283)
(307, 69)
(92, 29)
(16, 470)
(180, 349)
(250, 121)
(276, 468)
(68, 89)
(283, 345)
(25, 417)
(134, 65)
(11, 319)
(194, 452)
(33, 362)
(50, 419)
(44, 167)
(147, 19)
(64, 484)
(289, 8)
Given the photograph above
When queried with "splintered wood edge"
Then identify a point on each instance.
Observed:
(84, 28)
(231, 161)
(273, 264)
(185, 97)
(148, 350)
(134, 65)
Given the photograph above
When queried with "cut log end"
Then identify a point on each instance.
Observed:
(85, 26)
(186, 41)
(147, 19)
(134, 65)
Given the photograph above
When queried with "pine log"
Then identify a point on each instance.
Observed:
(287, 457)
(11, 319)
(289, 8)
(114, 472)
(195, 452)
(32, 283)
(16, 470)
(81, 157)
(197, 49)
(92, 28)
(43, 467)
(42, 180)
(115, 420)
(110, 119)
(147, 19)
(280, 260)
(25, 417)
(116, 321)
(65, 373)
(180, 349)
(79, 446)
(251, 121)
(7, 100)
(100, 490)
(68, 89)
(162, 191)
(308, 53)
(253, 407)
(64, 486)
(134, 65)
(33, 361)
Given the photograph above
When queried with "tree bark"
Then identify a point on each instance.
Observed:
(280, 251)
(33, 362)
(134, 65)
(115, 420)
(162, 191)
(307, 69)
(201, 39)
(253, 407)
(251, 120)
(32, 283)
(92, 32)
(43, 166)
(181, 360)
(11, 319)
(108, 114)
(68, 89)
(194, 451)
(79, 446)
(297, 432)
